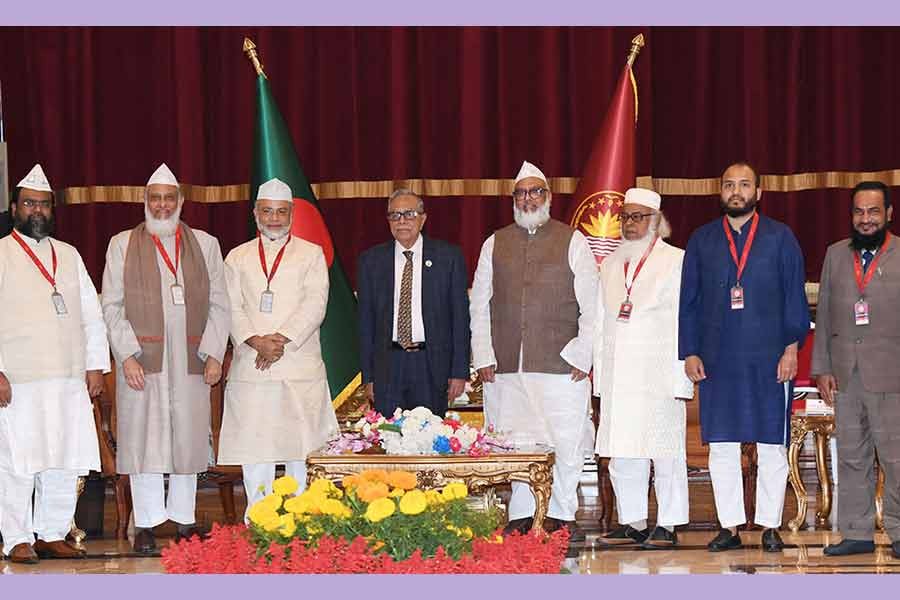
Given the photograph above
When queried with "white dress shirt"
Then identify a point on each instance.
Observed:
(418, 325)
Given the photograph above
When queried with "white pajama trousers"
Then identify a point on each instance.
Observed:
(55, 495)
(258, 480)
(151, 504)
(630, 480)
(728, 484)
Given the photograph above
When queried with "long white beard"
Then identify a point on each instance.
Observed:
(531, 220)
(272, 234)
(161, 227)
(633, 250)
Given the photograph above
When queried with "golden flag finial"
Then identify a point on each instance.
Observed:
(636, 44)
(250, 51)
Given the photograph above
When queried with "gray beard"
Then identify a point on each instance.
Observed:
(531, 220)
(633, 250)
(161, 227)
(272, 234)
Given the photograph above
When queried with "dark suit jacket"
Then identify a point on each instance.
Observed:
(840, 344)
(445, 313)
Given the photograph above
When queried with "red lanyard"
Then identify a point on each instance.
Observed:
(262, 259)
(36, 260)
(743, 263)
(165, 254)
(857, 266)
(638, 268)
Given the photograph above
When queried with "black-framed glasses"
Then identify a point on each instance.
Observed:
(636, 217)
(43, 204)
(409, 215)
(535, 193)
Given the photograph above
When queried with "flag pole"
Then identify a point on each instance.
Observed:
(253, 56)
(636, 44)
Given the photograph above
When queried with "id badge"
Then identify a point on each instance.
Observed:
(266, 301)
(177, 294)
(861, 312)
(624, 312)
(59, 304)
(737, 298)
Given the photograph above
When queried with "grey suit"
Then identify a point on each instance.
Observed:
(863, 359)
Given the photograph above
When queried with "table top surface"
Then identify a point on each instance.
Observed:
(523, 453)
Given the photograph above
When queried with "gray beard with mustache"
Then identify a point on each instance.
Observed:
(272, 234)
(36, 226)
(531, 220)
(161, 227)
(633, 250)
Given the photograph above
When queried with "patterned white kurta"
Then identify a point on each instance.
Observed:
(637, 373)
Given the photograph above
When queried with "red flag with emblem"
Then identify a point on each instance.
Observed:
(610, 168)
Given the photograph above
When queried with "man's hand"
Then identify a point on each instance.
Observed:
(94, 381)
(578, 374)
(212, 371)
(5, 391)
(827, 385)
(269, 349)
(487, 373)
(134, 374)
(693, 368)
(455, 388)
(787, 365)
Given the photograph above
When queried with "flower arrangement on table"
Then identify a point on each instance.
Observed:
(417, 431)
(379, 522)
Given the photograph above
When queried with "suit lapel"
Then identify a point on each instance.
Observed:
(889, 252)
(388, 277)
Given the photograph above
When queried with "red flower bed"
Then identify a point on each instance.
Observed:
(228, 549)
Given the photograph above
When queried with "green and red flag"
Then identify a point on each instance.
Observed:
(274, 156)
(610, 168)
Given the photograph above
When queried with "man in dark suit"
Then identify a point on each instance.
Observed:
(854, 360)
(413, 315)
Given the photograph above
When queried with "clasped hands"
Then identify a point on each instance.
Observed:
(269, 349)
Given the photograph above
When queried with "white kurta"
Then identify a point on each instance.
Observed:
(541, 407)
(50, 423)
(283, 413)
(164, 428)
(637, 373)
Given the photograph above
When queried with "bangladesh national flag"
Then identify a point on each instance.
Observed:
(274, 156)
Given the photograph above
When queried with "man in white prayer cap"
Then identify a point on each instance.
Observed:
(532, 310)
(637, 374)
(277, 401)
(166, 307)
(53, 353)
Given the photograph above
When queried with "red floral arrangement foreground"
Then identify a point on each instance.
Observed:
(228, 549)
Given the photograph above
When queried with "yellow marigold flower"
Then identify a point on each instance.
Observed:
(273, 500)
(467, 533)
(261, 512)
(498, 539)
(287, 525)
(351, 481)
(374, 475)
(285, 486)
(372, 491)
(322, 486)
(402, 479)
(433, 497)
(336, 508)
(396, 493)
(297, 505)
(272, 524)
(455, 490)
(380, 509)
(414, 502)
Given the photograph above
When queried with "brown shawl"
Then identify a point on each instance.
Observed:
(143, 301)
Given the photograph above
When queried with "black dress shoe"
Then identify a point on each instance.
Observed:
(895, 549)
(725, 541)
(660, 539)
(144, 541)
(523, 526)
(771, 541)
(186, 532)
(623, 535)
(850, 547)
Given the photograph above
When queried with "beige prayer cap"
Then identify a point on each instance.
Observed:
(163, 176)
(529, 170)
(647, 198)
(275, 189)
(35, 180)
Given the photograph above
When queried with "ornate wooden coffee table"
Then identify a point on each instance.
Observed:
(532, 465)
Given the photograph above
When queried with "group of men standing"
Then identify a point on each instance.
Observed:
(727, 314)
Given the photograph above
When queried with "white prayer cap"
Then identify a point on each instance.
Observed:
(275, 189)
(162, 175)
(529, 170)
(647, 198)
(35, 180)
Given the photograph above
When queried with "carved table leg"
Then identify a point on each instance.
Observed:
(541, 480)
(76, 533)
(797, 434)
(879, 497)
(824, 496)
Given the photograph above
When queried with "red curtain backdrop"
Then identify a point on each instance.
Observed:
(104, 106)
